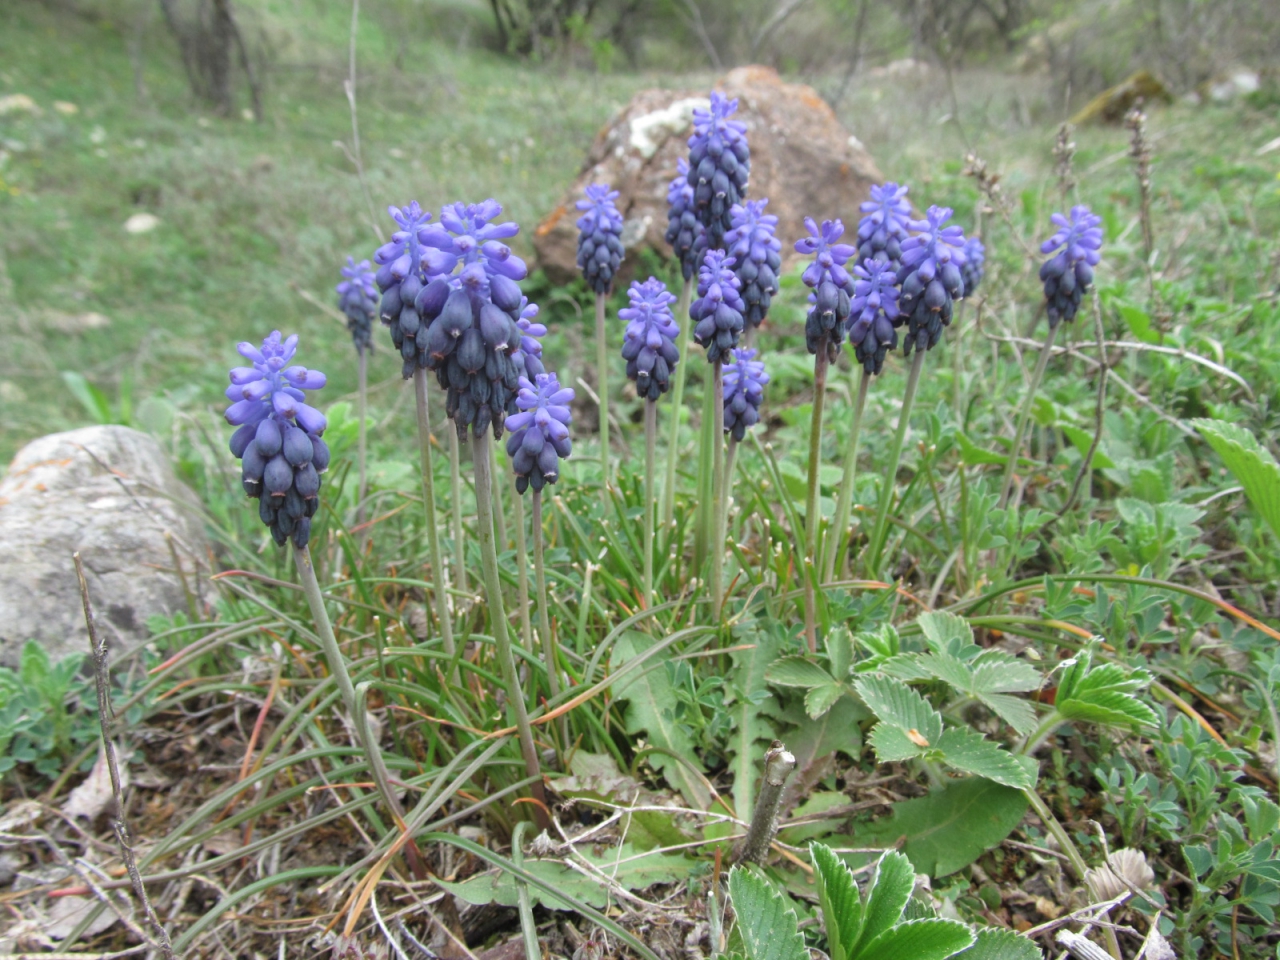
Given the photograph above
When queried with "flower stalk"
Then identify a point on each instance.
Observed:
(719, 497)
(879, 532)
(602, 389)
(429, 506)
(650, 507)
(549, 653)
(455, 504)
(522, 577)
(362, 405)
(1024, 415)
(844, 503)
(813, 502)
(677, 405)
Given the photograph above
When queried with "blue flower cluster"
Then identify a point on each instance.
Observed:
(831, 284)
(929, 278)
(358, 301)
(873, 314)
(972, 270)
(744, 381)
(719, 164)
(599, 237)
(539, 431)
(717, 313)
(278, 441)
(757, 257)
(1068, 274)
(884, 226)
(684, 231)
(649, 343)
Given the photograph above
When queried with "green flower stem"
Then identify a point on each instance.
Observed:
(677, 406)
(835, 539)
(362, 402)
(650, 444)
(549, 652)
(1042, 733)
(1078, 866)
(429, 503)
(719, 500)
(813, 503)
(726, 484)
(455, 481)
(482, 458)
(704, 516)
(880, 531)
(522, 577)
(1025, 414)
(499, 511)
(602, 388)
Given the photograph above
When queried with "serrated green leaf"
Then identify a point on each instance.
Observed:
(1250, 463)
(892, 744)
(1117, 709)
(995, 671)
(797, 672)
(945, 631)
(906, 667)
(752, 727)
(648, 695)
(840, 900)
(920, 940)
(950, 670)
(894, 702)
(890, 888)
(949, 828)
(766, 922)
(1015, 711)
(820, 699)
(1102, 693)
(839, 646)
(995, 944)
(966, 749)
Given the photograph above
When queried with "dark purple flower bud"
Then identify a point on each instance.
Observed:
(599, 237)
(930, 278)
(649, 343)
(1068, 274)
(757, 255)
(744, 381)
(719, 166)
(358, 300)
(873, 310)
(717, 313)
(972, 271)
(542, 407)
(527, 354)
(884, 224)
(685, 232)
(831, 282)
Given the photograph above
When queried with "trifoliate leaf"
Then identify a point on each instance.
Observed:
(1102, 693)
(840, 900)
(895, 703)
(920, 940)
(766, 922)
(966, 749)
(797, 672)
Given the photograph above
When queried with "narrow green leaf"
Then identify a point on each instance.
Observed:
(797, 672)
(1250, 463)
(766, 922)
(90, 397)
(974, 455)
(996, 944)
(890, 890)
(966, 749)
(840, 900)
(920, 940)
(896, 703)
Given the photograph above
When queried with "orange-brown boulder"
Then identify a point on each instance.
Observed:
(802, 159)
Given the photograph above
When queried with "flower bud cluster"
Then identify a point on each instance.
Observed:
(929, 278)
(873, 313)
(278, 441)
(973, 269)
(757, 257)
(599, 237)
(358, 300)
(539, 431)
(685, 232)
(719, 164)
(405, 264)
(744, 381)
(528, 351)
(884, 226)
(717, 313)
(649, 343)
(1068, 275)
(831, 284)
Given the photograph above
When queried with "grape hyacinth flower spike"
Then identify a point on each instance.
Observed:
(649, 347)
(358, 300)
(974, 267)
(757, 257)
(884, 224)
(744, 383)
(278, 441)
(719, 165)
(717, 314)
(872, 334)
(930, 278)
(1076, 248)
(599, 255)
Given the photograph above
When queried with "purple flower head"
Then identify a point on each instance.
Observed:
(973, 270)
(744, 381)
(358, 300)
(873, 310)
(477, 244)
(717, 313)
(539, 431)
(406, 265)
(1068, 274)
(719, 165)
(884, 224)
(278, 440)
(757, 255)
(528, 354)
(599, 237)
(685, 231)
(930, 278)
(649, 343)
(401, 256)
(832, 285)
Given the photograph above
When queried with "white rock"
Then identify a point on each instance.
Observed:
(648, 131)
(109, 493)
(141, 223)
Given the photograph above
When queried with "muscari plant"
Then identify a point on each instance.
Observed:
(599, 255)
(1067, 277)
(744, 382)
(757, 258)
(358, 301)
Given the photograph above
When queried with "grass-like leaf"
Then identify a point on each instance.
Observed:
(840, 900)
(766, 922)
(1250, 463)
(919, 940)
